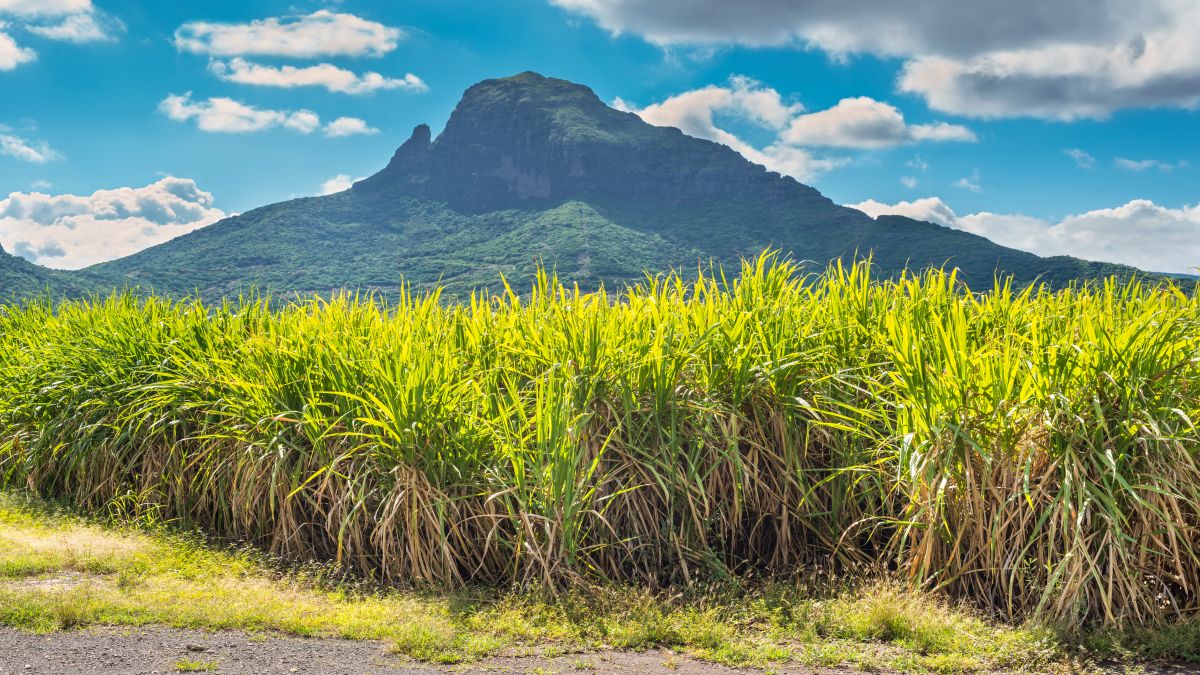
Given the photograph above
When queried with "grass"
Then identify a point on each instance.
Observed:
(52, 581)
(194, 666)
(1030, 453)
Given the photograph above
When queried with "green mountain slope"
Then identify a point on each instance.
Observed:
(533, 169)
(20, 278)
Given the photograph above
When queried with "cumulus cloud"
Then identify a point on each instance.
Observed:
(693, 113)
(909, 182)
(303, 121)
(863, 122)
(11, 53)
(1061, 60)
(37, 152)
(324, 75)
(1144, 164)
(1139, 233)
(931, 209)
(349, 126)
(225, 115)
(80, 28)
(39, 8)
(63, 20)
(322, 33)
(70, 231)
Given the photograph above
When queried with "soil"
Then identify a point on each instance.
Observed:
(157, 651)
(154, 650)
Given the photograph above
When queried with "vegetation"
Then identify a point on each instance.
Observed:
(1033, 453)
(195, 666)
(60, 571)
(20, 278)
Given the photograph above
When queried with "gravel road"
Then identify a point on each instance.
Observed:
(144, 651)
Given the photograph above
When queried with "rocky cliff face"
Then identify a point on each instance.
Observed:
(530, 139)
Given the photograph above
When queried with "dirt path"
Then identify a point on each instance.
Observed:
(145, 651)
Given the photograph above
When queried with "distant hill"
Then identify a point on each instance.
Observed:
(20, 279)
(532, 169)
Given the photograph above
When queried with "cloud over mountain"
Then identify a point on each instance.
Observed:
(1139, 233)
(858, 123)
(71, 231)
(863, 122)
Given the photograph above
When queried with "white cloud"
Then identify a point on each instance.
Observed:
(37, 152)
(70, 231)
(972, 183)
(80, 28)
(74, 21)
(40, 8)
(1139, 233)
(1060, 60)
(324, 75)
(225, 115)
(41, 185)
(349, 126)
(11, 53)
(931, 209)
(863, 122)
(322, 33)
(854, 123)
(1143, 164)
(1082, 159)
(909, 182)
(339, 183)
(692, 112)
(303, 121)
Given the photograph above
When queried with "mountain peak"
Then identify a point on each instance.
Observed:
(528, 85)
(530, 139)
(421, 136)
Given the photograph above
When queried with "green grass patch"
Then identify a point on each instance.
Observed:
(186, 665)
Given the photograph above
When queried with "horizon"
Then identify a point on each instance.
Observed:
(132, 125)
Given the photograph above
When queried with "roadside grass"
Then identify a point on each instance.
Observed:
(194, 666)
(62, 571)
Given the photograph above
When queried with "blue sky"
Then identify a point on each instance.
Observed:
(1052, 133)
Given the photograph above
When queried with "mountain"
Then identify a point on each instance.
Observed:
(531, 169)
(20, 278)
